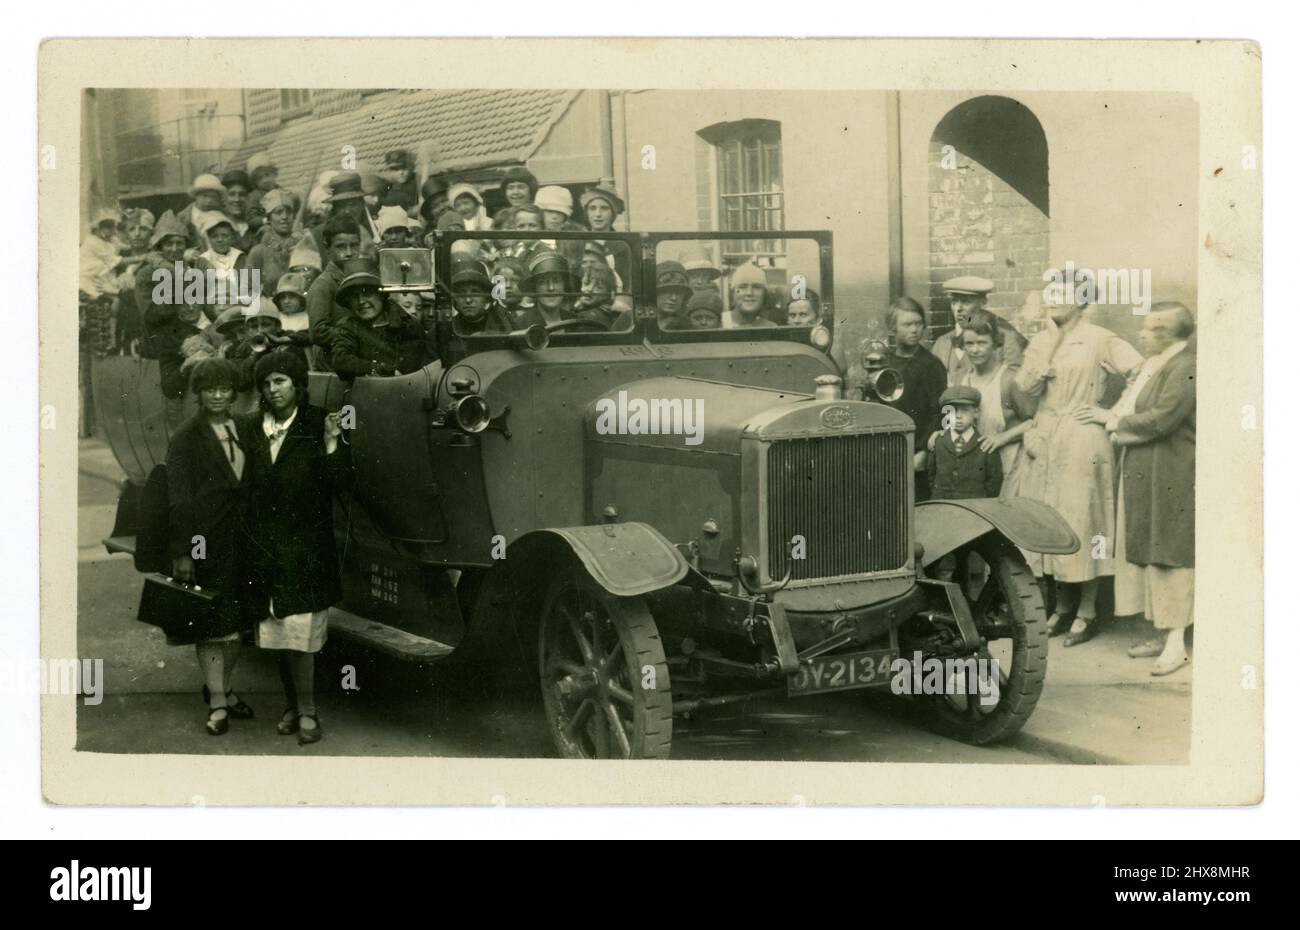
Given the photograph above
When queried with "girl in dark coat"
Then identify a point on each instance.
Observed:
(207, 483)
(298, 462)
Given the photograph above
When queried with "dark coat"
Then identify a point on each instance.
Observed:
(206, 499)
(1159, 468)
(362, 348)
(963, 475)
(295, 561)
(924, 380)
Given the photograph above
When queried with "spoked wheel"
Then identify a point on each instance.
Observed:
(991, 698)
(604, 676)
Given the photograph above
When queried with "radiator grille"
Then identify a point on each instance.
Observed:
(847, 496)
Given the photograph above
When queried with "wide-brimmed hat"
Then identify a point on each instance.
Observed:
(230, 321)
(346, 185)
(699, 260)
(266, 309)
(546, 262)
(207, 182)
(430, 189)
(671, 276)
(603, 193)
(555, 198)
(359, 272)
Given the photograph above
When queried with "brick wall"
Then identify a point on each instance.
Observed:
(982, 225)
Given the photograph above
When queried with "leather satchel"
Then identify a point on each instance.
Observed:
(186, 613)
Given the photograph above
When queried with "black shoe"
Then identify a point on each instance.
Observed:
(1090, 629)
(216, 726)
(308, 734)
(1059, 623)
(238, 709)
(288, 723)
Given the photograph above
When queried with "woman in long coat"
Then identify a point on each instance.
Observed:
(1068, 463)
(298, 463)
(207, 485)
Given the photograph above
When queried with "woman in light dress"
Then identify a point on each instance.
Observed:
(1067, 461)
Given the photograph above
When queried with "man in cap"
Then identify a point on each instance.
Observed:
(373, 338)
(748, 299)
(347, 198)
(966, 295)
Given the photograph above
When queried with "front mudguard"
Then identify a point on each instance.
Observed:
(943, 526)
(626, 559)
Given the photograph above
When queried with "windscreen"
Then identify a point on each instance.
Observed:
(717, 284)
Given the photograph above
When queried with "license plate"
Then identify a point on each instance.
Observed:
(843, 672)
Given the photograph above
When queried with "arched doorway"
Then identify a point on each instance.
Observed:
(988, 181)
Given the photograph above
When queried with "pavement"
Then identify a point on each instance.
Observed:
(1098, 705)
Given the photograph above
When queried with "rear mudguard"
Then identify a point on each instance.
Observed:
(942, 526)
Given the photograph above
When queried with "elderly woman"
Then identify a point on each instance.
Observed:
(1069, 464)
(298, 464)
(1154, 426)
(207, 486)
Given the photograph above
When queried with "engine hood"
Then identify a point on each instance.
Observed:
(713, 416)
(682, 413)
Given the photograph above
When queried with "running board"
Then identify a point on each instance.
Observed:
(387, 639)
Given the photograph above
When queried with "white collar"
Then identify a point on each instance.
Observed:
(269, 426)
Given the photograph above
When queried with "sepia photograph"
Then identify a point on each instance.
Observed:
(657, 423)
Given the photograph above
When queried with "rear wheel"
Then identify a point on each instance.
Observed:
(605, 681)
(991, 699)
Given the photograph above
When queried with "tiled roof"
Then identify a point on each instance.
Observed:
(462, 128)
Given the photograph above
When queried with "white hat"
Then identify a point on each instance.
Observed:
(104, 216)
(555, 198)
(207, 182)
(215, 219)
(391, 218)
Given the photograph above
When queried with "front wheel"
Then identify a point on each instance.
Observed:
(605, 681)
(991, 698)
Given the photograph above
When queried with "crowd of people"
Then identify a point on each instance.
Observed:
(1075, 417)
(1078, 419)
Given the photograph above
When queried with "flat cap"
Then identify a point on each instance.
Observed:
(961, 395)
(968, 284)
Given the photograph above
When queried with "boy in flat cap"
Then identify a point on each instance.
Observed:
(959, 468)
(966, 295)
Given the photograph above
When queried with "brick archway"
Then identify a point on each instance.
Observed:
(988, 183)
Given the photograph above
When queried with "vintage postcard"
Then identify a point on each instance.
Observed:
(651, 422)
